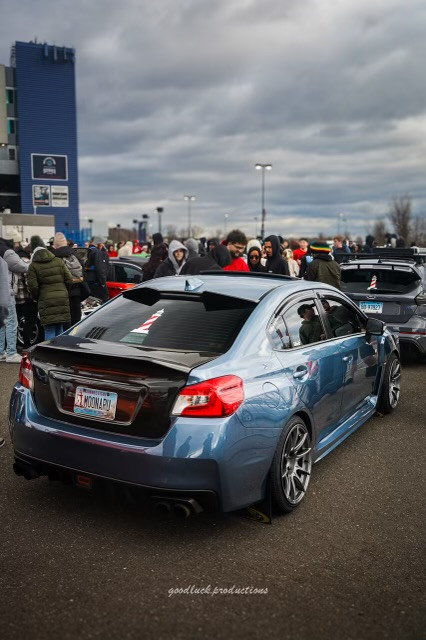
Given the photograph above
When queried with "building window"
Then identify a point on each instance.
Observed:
(11, 126)
(10, 96)
(12, 153)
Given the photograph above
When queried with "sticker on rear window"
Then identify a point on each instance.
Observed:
(138, 335)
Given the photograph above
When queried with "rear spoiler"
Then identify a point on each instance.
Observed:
(384, 255)
(211, 300)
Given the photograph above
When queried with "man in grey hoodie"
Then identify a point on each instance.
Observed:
(8, 333)
(174, 263)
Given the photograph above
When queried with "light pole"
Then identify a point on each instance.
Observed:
(340, 218)
(263, 168)
(90, 221)
(189, 199)
(160, 213)
(226, 216)
(255, 226)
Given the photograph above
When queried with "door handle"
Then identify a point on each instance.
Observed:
(300, 373)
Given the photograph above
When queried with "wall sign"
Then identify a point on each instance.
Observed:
(41, 195)
(45, 167)
(60, 196)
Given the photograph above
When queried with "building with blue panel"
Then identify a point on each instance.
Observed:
(38, 133)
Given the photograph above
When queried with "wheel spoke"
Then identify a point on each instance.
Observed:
(298, 483)
(300, 444)
(303, 453)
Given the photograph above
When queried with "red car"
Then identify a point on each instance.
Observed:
(123, 275)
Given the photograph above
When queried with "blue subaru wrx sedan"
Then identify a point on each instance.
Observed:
(204, 391)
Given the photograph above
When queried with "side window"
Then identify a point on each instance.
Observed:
(278, 334)
(304, 325)
(341, 318)
(126, 274)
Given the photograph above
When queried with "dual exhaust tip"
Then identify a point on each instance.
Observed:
(180, 507)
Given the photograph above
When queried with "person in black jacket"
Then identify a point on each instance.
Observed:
(159, 253)
(254, 257)
(274, 259)
(172, 266)
(215, 260)
(96, 269)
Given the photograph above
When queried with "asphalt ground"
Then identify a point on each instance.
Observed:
(347, 564)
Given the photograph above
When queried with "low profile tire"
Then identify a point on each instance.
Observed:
(291, 466)
(391, 386)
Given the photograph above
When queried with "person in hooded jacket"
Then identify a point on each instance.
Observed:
(215, 260)
(126, 251)
(274, 260)
(48, 282)
(8, 333)
(173, 264)
(159, 252)
(254, 260)
(64, 251)
(192, 245)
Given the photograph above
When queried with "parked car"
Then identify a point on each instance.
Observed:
(123, 275)
(211, 391)
(391, 285)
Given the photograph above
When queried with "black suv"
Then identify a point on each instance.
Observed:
(390, 284)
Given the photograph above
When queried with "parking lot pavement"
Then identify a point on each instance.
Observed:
(347, 564)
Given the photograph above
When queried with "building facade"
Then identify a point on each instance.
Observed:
(38, 133)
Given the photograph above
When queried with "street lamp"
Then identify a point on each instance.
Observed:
(90, 221)
(226, 216)
(189, 199)
(160, 212)
(255, 226)
(340, 218)
(263, 168)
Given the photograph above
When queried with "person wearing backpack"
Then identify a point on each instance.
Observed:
(63, 250)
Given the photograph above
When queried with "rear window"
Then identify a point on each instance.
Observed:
(169, 324)
(382, 279)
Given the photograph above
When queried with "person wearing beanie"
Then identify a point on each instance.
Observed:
(63, 251)
(192, 245)
(8, 332)
(215, 260)
(48, 283)
(323, 268)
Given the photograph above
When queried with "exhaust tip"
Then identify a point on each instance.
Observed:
(163, 507)
(25, 470)
(181, 510)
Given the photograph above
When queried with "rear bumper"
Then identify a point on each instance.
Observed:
(410, 339)
(211, 457)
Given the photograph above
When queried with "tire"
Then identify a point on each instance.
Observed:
(391, 385)
(291, 466)
(36, 335)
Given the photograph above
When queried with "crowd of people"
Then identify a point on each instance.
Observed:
(49, 283)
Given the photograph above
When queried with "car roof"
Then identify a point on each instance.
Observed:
(235, 284)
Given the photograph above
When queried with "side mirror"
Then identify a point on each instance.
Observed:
(375, 327)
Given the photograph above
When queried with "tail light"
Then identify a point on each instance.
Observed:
(26, 373)
(213, 398)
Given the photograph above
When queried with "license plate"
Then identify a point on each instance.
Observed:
(371, 307)
(95, 403)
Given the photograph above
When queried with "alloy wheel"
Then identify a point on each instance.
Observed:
(394, 383)
(296, 463)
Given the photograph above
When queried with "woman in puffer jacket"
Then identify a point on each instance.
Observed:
(48, 282)
(63, 250)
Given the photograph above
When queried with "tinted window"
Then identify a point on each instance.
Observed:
(342, 319)
(386, 280)
(127, 274)
(303, 323)
(167, 324)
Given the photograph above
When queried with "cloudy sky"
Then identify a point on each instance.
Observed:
(184, 97)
